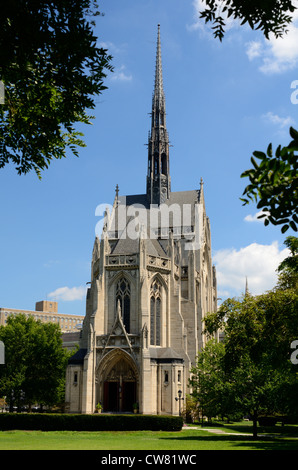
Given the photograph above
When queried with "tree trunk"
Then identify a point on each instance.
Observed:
(255, 425)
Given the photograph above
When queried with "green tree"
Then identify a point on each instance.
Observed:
(263, 325)
(274, 184)
(256, 385)
(291, 262)
(35, 361)
(47, 365)
(288, 268)
(52, 69)
(210, 388)
(270, 16)
(258, 332)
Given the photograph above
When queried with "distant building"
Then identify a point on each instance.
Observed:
(46, 306)
(47, 312)
(71, 341)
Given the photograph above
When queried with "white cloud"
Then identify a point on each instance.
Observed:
(278, 54)
(117, 51)
(254, 49)
(256, 262)
(254, 217)
(199, 23)
(120, 75)
(278, 120)
(68, 293)
(110, 46)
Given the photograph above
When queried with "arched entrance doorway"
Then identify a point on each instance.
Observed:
(118, 381)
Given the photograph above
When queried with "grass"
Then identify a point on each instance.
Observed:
(227, 437)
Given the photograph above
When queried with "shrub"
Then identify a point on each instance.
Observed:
(96, 422)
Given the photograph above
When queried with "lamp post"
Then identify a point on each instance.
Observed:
(179, 398)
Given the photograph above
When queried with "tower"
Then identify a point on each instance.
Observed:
(158, 177)
(151, 286)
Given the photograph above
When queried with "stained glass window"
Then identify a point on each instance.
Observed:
(155, 314)
(123, 294)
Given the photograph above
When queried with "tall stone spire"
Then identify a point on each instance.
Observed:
(246, 287)
(158, 102)
(158, 177)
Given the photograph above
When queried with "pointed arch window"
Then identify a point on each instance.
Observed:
(155, 313)
(123, 295)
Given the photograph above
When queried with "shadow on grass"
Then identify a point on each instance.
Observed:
(261, 443)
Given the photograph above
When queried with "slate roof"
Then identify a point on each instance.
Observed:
(78, 357)
(155, 246)
(126, 246)
(165, 354)
(177, 197)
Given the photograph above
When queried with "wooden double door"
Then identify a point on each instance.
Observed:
(119, 396)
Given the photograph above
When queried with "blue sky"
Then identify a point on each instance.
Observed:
(224, 100)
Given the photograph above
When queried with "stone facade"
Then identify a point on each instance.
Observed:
(152, 283)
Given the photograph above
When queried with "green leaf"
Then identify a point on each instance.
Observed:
(260, 155)
(269, 150)
(261, 216)
(254, 163)
(263, 202)
(293, 133)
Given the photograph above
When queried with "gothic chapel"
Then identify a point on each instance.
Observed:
(152, 283)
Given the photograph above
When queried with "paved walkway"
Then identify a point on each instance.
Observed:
(220, 431)
(215, 431)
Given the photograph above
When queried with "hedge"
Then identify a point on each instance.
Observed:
(96, 422)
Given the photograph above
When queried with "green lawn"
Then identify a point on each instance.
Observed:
(198, 438)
